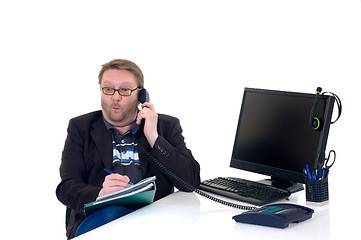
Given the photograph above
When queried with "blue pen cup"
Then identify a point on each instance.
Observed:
(317, 190)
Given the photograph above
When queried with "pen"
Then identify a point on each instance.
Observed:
(326, 173)
(110, 172)
(308, 172)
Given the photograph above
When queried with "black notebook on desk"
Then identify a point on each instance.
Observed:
(139, 194)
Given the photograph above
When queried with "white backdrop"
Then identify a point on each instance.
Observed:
(197, 57)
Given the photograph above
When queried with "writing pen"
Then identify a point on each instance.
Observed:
(308, 172)
(110, 172)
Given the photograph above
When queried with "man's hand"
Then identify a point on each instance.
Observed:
(150, 116)
(114, 182)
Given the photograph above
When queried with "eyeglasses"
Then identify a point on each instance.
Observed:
(121, 91)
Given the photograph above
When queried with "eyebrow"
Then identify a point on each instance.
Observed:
(123, 85)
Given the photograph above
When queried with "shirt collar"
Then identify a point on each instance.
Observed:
(133, 130)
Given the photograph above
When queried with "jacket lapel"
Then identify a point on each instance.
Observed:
(103, 142)
(142, 141)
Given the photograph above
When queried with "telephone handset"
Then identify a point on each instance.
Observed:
(143, 96)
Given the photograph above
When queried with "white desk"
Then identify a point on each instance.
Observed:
(190, 216)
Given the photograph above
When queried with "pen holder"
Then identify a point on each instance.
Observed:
(317, 190)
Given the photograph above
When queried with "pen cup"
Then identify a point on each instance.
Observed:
(317, 190)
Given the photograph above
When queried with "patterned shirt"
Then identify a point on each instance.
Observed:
(125, 153)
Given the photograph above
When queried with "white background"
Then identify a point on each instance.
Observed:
(197, 57)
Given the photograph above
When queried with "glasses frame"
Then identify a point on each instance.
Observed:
(117, 90)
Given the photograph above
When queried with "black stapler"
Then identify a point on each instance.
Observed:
(275, 215)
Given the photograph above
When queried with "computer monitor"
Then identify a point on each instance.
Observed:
(274, 136)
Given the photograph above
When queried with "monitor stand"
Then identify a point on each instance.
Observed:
(283, 184)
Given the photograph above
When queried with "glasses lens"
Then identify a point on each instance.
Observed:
(108, 91)
(125, 91)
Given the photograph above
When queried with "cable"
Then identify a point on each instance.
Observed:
(339, 105)
(190, 187)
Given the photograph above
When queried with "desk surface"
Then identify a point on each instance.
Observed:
(190, 215)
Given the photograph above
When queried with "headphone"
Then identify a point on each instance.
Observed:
(317, 123)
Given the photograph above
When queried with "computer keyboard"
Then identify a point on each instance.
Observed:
(244, 190)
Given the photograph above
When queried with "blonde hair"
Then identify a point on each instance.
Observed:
(123, 64)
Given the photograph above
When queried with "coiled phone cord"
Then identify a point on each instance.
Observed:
(190, 187)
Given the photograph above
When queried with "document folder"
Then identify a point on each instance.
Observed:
(135, 196)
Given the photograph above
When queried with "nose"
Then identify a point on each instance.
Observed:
(116, 96)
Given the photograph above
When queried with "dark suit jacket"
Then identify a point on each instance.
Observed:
(88, 150)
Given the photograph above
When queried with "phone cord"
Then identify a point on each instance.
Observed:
(190, 187)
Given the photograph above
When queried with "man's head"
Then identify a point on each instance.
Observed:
(120, 81)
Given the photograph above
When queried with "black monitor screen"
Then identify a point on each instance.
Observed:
(274, 136)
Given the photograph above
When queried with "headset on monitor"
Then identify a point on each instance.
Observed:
(316, 122)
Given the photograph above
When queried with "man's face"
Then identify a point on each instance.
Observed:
(119, 111)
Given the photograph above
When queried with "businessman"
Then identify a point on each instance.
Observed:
(114, 138)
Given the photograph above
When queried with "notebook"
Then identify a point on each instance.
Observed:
(135, 196)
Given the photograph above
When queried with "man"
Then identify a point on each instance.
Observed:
(120, 131)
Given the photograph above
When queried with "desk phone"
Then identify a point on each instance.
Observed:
(275, 215)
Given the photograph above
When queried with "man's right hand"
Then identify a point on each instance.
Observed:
(114, 182)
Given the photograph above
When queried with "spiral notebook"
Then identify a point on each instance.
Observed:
(135, 196)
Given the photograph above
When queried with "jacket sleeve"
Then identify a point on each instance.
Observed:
(74, 190)
(171, 151)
